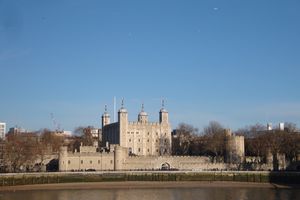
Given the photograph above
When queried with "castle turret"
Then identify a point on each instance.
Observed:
(235, 147)
(163, 114)
(63, 155)
(143, 116)
(105, 118)
(123, 123)
(120, 153)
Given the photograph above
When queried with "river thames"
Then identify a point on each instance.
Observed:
(215, 193)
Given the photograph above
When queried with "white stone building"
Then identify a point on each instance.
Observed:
(141, 137)
(2, 130)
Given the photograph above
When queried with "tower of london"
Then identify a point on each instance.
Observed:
(141, 137)
(142, 145)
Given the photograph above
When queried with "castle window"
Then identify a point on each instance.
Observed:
(156, 150)
(165, 140)
(111, 161)
(148, 150)
(156, 140)
(69, 162)
(129, 140)
(128, 132)
(148, 140)
(132, 132)
(139, 149)
(156, 133)
(91, 162)
(139, 140)
(148, 133)
(165, 134)
(98, 161)
(137, 132)
(81, 161)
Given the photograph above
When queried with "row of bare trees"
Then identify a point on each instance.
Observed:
(22, 150)
(261, 142)
(188, 140)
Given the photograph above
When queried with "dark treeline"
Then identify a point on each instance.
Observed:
(259, 142)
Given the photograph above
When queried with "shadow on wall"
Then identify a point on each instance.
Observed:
(52, 166)
(285, 178)
(293, 166)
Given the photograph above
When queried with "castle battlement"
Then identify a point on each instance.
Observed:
(144, 123)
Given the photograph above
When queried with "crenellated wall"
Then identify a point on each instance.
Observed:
(172, 162)
(81, 161)
(120, 160)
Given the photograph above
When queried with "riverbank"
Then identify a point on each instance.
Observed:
(280, 178)
(145, 185)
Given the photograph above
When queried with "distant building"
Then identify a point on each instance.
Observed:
(281, 126)
(2, 151)
(17, 130)
(2, 130)
(269, 127)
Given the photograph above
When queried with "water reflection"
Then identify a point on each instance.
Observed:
(157, 194)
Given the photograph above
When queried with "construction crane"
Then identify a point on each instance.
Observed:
(55, 124)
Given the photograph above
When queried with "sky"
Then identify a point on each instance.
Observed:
(235, 62)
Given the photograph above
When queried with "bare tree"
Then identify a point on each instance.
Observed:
(290, 127)
(183, 138)
(251, 130)
(85, 134)
(52, 140)
(20, 150)
(215, 140)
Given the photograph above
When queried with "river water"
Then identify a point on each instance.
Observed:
(156, 194)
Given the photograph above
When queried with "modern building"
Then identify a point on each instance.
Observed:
(2, 130)
(140, 137)
(17, 130)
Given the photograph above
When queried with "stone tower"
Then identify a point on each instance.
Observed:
(123, 124)
(143, 116)
(235, 148)
(163, 114)
(105, 118)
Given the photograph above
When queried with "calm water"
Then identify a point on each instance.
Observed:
(155, 194)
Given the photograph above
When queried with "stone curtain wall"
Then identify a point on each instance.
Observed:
(174, 162)
(119, 160)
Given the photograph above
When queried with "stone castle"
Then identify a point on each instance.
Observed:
(142, 138)
(142, 145)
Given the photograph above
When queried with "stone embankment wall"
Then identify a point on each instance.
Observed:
(72, 177)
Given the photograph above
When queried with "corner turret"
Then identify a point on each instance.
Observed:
(163, 114)
(105, 118)
(143, 116)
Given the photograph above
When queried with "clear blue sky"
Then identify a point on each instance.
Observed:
(233, 61)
